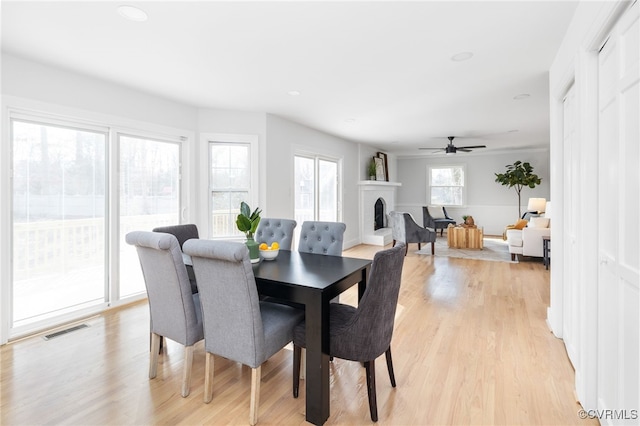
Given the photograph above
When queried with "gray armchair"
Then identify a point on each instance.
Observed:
(440, 223)
(280, 230)
(175, 311)
(405, 229)
(322, 238)
(237, 325)
(183, 233)
(364, 333)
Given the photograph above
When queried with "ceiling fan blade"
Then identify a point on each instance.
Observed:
(471, 147)
(437, 149)
(463, 149)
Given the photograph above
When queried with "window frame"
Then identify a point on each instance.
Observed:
(316, 159)
(229, 139)
(430, 185)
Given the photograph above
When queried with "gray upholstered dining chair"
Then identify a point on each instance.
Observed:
(436, 223)
(322, 237)
(364, 333)
(183, 233)
(175, 311)
(237, 325)
(280, 230)
(405, 229)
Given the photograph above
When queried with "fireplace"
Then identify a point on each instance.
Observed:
(377, 200)
(379, 214)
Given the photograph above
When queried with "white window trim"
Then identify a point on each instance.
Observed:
(464, 186)
(205, 167)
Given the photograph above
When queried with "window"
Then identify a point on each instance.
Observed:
(230, 182)
(316, 189)
(447, 185)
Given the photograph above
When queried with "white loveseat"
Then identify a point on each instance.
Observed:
(528, 240)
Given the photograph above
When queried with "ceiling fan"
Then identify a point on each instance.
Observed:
(451, 149)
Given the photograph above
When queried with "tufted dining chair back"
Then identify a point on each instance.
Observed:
(280, 230)
(322, 238)
(237, 325)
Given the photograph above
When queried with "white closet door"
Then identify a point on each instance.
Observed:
(619, 224)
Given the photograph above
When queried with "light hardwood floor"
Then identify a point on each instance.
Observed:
(470, 346)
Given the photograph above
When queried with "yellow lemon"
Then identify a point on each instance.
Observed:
(263, 246)
(275, 245)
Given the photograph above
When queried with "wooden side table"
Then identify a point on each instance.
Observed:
(465, 237)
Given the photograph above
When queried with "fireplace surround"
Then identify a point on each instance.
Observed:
(374, 221)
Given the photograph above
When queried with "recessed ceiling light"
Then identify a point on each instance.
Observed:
(521, 96)
(462, 56)
(293, 93)
(132, 13)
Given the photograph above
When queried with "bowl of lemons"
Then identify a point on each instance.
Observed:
(269, 252)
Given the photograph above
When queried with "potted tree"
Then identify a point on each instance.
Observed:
(247, 222)
(518, 176)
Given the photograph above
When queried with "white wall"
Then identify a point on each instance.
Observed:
(493, 206)
(284, 138)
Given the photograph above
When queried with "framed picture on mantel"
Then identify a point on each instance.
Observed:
(380, 172)
(385, 164)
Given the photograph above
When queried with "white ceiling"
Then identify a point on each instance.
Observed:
(371, 72)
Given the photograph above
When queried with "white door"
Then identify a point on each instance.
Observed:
(619, 227)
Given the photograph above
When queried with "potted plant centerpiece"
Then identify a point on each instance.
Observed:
(247, 222)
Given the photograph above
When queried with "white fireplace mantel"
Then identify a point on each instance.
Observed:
(370, 191)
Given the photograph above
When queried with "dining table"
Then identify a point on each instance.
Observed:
(312, 280)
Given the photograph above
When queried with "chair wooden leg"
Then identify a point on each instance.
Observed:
(392, 376)
(255, 395)
(208, 377)
(513, 257)
(406, 248)
(419, 246)
(153, 355)
(186, 371)
(370, 369)
(303, 364)
(296, 369)
(394, 243)
(433, 248)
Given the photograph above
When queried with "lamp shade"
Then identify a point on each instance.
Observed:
(547, 210)
(536, 205)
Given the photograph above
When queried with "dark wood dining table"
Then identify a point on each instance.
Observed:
(312, 280)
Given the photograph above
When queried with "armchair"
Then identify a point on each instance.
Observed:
(436, 223)
(404, 229)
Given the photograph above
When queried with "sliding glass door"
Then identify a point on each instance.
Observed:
(59, 207)
(149, 197)
(77, 189)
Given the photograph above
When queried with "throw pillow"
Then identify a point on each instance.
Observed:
(521, 223)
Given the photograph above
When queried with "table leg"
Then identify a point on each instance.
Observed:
(317, 380)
